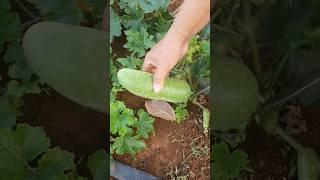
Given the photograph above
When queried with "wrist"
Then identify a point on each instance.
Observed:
(175, 35)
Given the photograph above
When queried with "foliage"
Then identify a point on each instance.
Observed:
(98, 163)
(25, 152)
(115, 24)
(181, 112)
(11, 21)
(26, 144)
(138, 42)
(142, 24)
(21, 80)
(227, 165)
(279, 42)
(128, 129)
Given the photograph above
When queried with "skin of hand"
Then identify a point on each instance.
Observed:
(193, 15)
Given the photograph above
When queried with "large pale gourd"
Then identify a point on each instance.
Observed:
(71, 59)
(235, 94)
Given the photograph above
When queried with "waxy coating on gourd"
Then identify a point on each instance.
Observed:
(140, 84)
(71, 59)
(235, 94)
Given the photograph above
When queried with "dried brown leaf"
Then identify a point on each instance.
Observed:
(160, 109)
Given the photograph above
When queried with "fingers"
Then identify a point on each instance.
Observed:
(147, 64)
(158, 79)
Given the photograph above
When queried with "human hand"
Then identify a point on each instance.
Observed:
(164, 56)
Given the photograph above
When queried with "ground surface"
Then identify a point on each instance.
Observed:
(168, 149)
(271, 157)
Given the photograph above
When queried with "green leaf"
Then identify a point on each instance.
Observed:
(58, 10)
(11, 22)
(121, 119)
(15, 89)
(134, 20)
(138, 42)
(144, 125)
(98, 163)
(115, 25)
(18, 147)
(162, 25)
(149, 6)
(8, 113)
(129, 4)
(130, 62)
(53, 164)
(19, 69)
(128, 144)
(181, 112)
(227, 165)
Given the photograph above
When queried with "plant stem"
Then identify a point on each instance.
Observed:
(198, 93)
(256, 58)
(26, 10)
(289, 139)
(251, 31)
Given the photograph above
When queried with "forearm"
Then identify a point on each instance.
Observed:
(192, 16)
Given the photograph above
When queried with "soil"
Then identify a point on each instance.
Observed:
(310, 138)
(70, 126)
(265, 154)
(167, 151)
(271, 157)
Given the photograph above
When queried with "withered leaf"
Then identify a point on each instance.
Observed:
(160, 109)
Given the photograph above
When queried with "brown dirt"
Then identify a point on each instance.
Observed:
(169, 147)
(270, 156)
(265, 154)
(174, 5)
(70, 126)
(311, 136)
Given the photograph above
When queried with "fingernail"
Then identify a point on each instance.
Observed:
(156, 88)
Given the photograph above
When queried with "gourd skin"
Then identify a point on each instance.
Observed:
(140, 84)
(71, 59)
(235, 94)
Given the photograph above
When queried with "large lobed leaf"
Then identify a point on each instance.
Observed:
(227, 165)
(18, 148)
(98, 163)
(144, 125)
(8, 113)
(9, 23)
(115, 25)
(138, 41)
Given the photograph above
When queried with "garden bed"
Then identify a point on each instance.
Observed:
(175, 150)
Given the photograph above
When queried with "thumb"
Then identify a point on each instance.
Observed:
(158, 79)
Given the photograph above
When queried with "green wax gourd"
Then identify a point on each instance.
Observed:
(235, 94)
(140, 84)
(71, 59)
